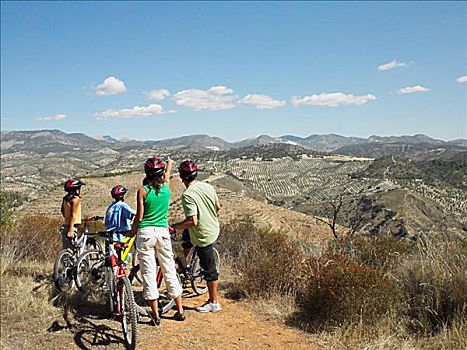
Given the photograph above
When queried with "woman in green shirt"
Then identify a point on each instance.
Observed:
(151, 227)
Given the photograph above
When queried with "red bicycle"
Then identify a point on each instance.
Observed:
(106, 271)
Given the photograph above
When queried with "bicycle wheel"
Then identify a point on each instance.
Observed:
(110, 288)
(64, 270)
(90, 271)
(129, 316)
(198, 283)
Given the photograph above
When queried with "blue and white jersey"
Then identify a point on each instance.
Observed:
(118, 217)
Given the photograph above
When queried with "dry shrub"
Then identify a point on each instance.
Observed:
(341, 291)
(268, 262)
(434, 280)
(379, 252)
(30, 237)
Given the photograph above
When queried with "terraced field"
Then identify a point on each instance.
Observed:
(317, 179)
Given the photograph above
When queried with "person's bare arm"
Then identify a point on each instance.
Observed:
(218, 206)
(140, 197)
(170, 163)
(187, 223)
(74, 203)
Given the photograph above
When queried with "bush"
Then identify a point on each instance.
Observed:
(30, 237)
(381, 252)
(268, 262)
(341, 291)
(434, 280)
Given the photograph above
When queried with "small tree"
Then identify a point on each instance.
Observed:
(335, 207)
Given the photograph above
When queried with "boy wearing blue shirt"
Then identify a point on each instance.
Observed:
(119, 215)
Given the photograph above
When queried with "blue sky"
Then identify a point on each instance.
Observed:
(154, 70)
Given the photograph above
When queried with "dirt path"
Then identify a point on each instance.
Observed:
(233, 328)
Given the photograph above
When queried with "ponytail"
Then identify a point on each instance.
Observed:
(154, 182)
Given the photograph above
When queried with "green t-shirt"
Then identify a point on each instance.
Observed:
(200, 199)
(156, 207)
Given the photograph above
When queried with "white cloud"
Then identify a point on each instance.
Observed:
(55, 117)
(220, 90)
(135, 112)
(157, 95)
(412, 90)
(391, 65)
(333, 99)
(110, 86)
(261, 101)
(462, 79)
(214, 99)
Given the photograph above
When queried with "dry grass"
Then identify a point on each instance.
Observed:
(362, 293)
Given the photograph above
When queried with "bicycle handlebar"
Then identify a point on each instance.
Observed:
(94, 218)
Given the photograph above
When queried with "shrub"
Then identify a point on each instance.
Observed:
(30, 237)
(269, 262)
(341, 291)
(381, 252)
(434, 280)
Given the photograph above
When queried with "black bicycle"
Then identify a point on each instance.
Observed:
(64, 272)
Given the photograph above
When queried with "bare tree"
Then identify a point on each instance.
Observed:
(336, 206)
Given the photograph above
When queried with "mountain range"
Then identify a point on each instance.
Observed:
(419, 145)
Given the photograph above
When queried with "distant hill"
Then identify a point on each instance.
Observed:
(267, 151)
(194, 142)
(437, 172)
(323, 143)
(414, 150)
(45, 141)
(420, 147)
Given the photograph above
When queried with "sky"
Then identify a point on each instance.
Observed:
(156, 70)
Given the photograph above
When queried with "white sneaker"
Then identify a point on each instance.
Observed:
(209, 307)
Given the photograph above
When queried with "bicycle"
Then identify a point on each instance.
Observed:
(64, 271)
(106, 270)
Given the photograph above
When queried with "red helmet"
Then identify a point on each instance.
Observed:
(73, 184)
(154, 166)
(188, 170)
(118, 191)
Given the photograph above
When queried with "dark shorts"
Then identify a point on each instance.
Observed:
(208, 262)
(186, 242)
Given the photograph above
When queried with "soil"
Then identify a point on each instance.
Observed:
(234, 327)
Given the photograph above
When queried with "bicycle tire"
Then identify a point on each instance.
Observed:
(64, 270)
(90, 271)
(129, 316)
(198, 283)
(110, 283)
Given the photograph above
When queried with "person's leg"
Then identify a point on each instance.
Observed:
(145, 243)
(212, 288)
(208, 264)
(167, 264)
(66, 242)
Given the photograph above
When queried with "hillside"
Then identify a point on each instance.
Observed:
(417, 146)
(235, 206)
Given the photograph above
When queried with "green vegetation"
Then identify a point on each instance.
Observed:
(8, 201)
